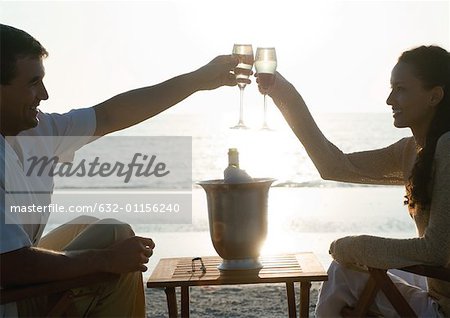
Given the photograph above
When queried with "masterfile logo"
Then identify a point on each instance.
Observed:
(156, 163)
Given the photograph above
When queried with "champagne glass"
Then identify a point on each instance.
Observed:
(265, 65)
(244, 52)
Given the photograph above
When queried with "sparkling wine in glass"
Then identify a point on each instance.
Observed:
(244, 52)
(265, 65)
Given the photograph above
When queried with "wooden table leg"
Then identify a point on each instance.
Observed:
(305, 288)
(171, 301)
(291, 299)
(184, 301)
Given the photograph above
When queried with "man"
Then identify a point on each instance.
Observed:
(25, 257)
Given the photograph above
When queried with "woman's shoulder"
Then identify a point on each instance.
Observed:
(443, 144)
(444, 140)
(406, 144)
(409, 142)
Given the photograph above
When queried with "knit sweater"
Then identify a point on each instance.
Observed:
(392, 165)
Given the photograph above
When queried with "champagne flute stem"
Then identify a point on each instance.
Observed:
(265, 126)
(241, 108)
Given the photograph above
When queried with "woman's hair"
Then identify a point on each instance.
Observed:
(16, 44)
(431, 65)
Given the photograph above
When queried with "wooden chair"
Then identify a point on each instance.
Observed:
(60, 293)
(379, 280)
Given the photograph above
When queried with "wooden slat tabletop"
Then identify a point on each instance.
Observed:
(174, 272)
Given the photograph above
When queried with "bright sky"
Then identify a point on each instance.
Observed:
(338, 54)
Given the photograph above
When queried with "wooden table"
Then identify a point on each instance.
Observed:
(286, 268)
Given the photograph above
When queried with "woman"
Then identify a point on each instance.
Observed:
(420, 100)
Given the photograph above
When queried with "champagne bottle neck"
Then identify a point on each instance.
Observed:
(233, 158)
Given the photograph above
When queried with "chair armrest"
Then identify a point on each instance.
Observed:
(437, 272)
(13, 294)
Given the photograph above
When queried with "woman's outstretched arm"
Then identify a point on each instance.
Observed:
(380, 166)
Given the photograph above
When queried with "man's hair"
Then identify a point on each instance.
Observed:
(16, 44)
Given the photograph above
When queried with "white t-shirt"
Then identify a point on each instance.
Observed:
(14, 234)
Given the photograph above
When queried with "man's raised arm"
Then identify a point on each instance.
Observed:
(135, 106)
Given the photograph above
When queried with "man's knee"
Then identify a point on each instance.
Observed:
(84, 219)
(114, 228)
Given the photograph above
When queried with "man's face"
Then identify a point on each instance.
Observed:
(20, 98)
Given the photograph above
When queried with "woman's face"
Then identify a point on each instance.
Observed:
(410, 101)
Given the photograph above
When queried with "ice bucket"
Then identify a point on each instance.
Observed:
(237, 215)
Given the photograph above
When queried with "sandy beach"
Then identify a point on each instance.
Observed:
(232, 301)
